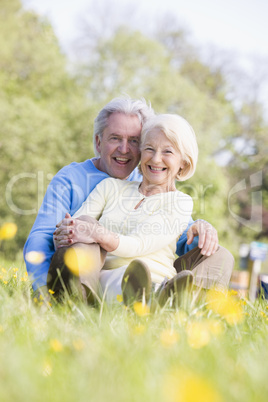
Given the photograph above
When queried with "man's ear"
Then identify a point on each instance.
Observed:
(98, 141)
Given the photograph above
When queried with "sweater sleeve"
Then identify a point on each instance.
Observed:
(96, 201)
(157, 230)
(55, 204)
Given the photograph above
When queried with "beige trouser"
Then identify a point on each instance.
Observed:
(214, 270)
(211, 271)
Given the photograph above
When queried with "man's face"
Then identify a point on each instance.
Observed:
(119, 147)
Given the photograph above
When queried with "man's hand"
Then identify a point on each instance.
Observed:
(208, 237)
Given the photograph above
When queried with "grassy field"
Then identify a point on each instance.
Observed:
(213, 350)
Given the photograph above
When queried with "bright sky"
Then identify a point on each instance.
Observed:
(238, 25)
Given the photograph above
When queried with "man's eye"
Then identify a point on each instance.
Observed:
(135, 141)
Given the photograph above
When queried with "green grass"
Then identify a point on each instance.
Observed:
(72, 352)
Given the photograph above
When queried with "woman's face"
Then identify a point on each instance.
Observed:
(160, 160)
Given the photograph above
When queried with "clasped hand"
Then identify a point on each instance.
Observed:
(79, 230)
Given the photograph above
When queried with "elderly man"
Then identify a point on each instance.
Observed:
(117, 131)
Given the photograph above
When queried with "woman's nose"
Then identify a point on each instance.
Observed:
(157, 157)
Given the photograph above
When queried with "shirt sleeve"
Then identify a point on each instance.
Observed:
(182, 246)
(157, 230)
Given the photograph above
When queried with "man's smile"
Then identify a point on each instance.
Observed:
(121, 161)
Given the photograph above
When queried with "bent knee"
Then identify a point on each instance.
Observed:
(226, 257)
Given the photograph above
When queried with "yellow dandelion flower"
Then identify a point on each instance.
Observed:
(23, 279)
(5, 282)
(4, 270)
(126, 278)
(35, 257)
(215, 327)
(79, 261)
(78, 344)
(119, 298)
(233, 313)
(186, 386)
(233, 292)
(51, 291)
(224, 305)
(56, 345)
(262, 313)
(141, 309)
(15, 269)
(168, 337)
(15, 276)
(198, 334)
(35, 300)
(8, 230)
(139, 329)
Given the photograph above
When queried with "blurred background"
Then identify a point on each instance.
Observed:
(61, 61)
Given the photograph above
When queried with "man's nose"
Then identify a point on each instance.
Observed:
(123, 147)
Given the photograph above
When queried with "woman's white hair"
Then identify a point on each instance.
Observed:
(181, 134)
(126, 105)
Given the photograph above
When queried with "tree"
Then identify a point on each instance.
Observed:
(45, 118)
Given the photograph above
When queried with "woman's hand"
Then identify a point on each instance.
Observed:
(79, 230)
(84, 230)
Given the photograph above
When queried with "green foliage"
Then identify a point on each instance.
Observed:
(45, 118)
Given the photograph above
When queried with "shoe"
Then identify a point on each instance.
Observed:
(136, 282)
(175, 286)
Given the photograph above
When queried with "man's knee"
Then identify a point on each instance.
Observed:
(57, 271)
(215, 270)
(227, 259)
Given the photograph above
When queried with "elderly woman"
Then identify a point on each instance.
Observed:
(138, 224)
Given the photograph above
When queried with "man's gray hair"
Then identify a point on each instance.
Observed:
(126, 105)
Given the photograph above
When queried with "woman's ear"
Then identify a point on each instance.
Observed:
(183, 164)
